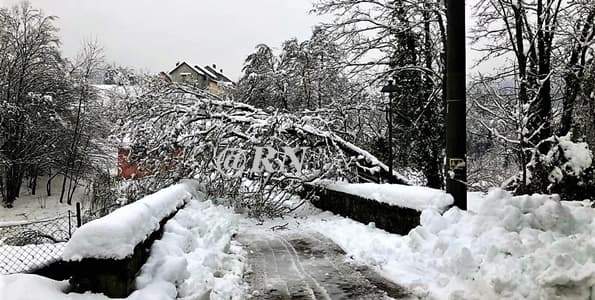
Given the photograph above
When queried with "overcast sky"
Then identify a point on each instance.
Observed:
(154, 34)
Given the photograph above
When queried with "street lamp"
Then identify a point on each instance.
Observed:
(390, 89)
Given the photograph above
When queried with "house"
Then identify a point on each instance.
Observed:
(207, 78)
(127, 170)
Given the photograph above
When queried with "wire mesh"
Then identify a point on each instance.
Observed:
(30, 245)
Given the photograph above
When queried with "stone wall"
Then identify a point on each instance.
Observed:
(393, 219)
(112, 277)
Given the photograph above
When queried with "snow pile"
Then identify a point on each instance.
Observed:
(116, 235)
(33, 287)
(526, 247)
(196, 255)
(195, 259)
(414, 197)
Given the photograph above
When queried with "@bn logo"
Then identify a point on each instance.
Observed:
(233, 162)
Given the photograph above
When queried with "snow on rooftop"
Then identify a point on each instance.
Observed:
(116, 235)
(414, 197)
(205, 71)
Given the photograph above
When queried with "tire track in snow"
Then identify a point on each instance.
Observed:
(321, 291)
(306, 265)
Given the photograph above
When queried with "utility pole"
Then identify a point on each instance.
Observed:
(456, 143)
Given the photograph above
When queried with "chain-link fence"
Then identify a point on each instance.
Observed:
(29, 245)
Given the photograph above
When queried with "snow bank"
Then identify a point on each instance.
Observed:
(414, 197)
(195, 259)
(196, 255)
(32, 287)
(526, 247)
(115, 235)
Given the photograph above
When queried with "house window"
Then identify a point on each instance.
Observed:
(185, 77)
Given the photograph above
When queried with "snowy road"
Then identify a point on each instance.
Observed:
(306, 265)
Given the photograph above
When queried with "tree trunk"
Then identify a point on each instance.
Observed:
(48, 187)
(543, 109)
(34, 183)
(570, 95)
(432, 170)
(68, 195)
(574, 76)
(63, 188)
(14, 180)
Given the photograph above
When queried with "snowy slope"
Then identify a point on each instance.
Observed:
(37, 207)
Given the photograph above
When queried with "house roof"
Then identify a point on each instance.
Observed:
(220, 75)
(207, 71)
(193, 68)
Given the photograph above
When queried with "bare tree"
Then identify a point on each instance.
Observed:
(403, 41)
(31, 90)
(48, 123)
(547, 43)
(87, 62)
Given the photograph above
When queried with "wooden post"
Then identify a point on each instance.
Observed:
(78, 215)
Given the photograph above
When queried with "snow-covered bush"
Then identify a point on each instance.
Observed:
(559, 165)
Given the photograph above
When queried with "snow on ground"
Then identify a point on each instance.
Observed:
(504, 247)
(196, 255)
(33, 287)
(40, 207)
(36, 214)
(216, 263)
(414, 197)
(116, 235)
(526, 247)
(195, 259)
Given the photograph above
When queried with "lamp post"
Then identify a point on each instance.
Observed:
(390, 89)
(456, 152)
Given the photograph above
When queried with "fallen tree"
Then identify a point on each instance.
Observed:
(176, 131)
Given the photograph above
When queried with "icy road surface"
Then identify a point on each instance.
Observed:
(306, 265)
